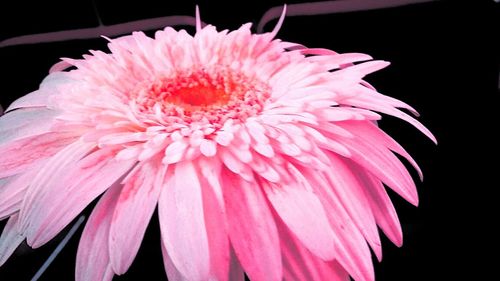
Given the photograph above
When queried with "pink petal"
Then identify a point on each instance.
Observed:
(279, 24)
(24, 123)
(257, 132)
(210, 170)
(289, 149)
(175, 151)
(382, 207)
(300, 265)
(363, 69)
(34, 100)
(335, 114)
(132, 213)
(92, 259)
(10, 239)
(352, 251)
(121, 138)
(264, 149)
(40, 98)
(241, 151)
(69, 191)
(19, 155)
(384, 165)
(208, 147)
(370, 132)
(390, 110)
(59, 66)
(231, 162)
(327, 127)
(336, 147)
(12, 193)
(182, 222)
(251, 228)
(54, 168)
(218, 240)
(303, 213)
(335, 61)
(172, 273)
(353, 197)
(317, 51)
(264, 168)
(235, 165)
(224, 138)
(371, 95)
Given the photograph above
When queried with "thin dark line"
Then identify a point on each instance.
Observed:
(59, 248)
(96, 12)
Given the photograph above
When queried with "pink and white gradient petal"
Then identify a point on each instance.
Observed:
(182, 222)
(252, 229)
(10, 239)
(93, 258)
(132, 213)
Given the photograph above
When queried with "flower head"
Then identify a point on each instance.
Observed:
(262, 156)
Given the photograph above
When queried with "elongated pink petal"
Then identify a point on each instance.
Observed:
(19, 155)
(24, 123)
(296, 204)
(12, 193)
(256, 241)
(385, 166)
(10, 239)
(300, 265)
(363, 69)
(172, 273)
(40, 98)
(76, 186)
(92, 259)
(183, 224)
(211, 172)
(368, 131)
(34, 100)
(56, 165)
(132, 213)
(387, 109)
(353, 197)
(353, 252)
(336, 147)
(335, 61)
(279, 24)
(382, 207)
(218, 240)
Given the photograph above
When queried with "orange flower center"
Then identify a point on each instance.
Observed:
(214, 95)
(198, 96)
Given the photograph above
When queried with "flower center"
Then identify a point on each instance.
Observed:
(202, 95)
(198, 96)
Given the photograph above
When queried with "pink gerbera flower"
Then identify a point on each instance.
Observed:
(262, 156)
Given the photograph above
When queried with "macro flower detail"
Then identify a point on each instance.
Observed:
(263, 156)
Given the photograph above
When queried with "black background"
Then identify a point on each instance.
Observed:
(445, 61)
